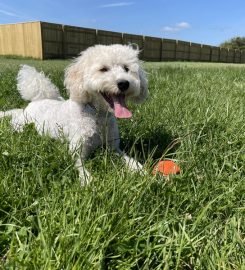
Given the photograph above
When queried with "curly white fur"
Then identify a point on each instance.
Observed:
(33, 86)
(99, 82)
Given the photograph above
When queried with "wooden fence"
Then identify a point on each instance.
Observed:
(22, 39)
(44, 40)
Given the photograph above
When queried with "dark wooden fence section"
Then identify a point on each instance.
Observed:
(48, 40)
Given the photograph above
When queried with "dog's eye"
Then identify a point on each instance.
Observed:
(104, 69)
(126, 68)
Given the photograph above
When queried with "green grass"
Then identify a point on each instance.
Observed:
(195, 220)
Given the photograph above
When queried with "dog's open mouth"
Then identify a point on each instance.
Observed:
(118, 104)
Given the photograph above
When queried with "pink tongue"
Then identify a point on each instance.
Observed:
(120, 107)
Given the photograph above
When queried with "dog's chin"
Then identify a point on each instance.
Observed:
(117, 104)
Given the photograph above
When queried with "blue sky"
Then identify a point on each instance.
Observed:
(206, 21)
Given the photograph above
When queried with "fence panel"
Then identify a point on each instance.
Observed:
(182, 50)
(195, 52)
(77, 39)
(168, 49)
(52, 40)
(223, 55)
(152, 49)
(205, 53)
(230, 56)
(215, 53)
(237, 56)
(243, 56)
(23, 39)
(108, 37)
(134, 39)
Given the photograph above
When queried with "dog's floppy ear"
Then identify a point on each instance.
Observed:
(143, 87)
(74, 81)
(142, 76)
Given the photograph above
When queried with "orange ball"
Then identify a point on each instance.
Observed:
(166, 167)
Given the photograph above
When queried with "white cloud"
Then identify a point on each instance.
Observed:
(176, 28)
(170, 29)
(183, 25)
(8, 13)
(120, 4)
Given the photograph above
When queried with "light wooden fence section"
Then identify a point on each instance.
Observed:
(44, 40)
(23, 39)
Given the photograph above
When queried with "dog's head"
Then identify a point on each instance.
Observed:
(109, 76)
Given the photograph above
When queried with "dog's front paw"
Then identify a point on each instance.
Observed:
(133, 165)
(84, 176)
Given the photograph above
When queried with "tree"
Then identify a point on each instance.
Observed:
(234, 43)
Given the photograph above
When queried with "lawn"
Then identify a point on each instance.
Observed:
(195, 220)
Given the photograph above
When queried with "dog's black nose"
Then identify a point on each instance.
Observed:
(123, 85)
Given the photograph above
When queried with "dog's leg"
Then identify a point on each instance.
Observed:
(87, 147)
(18, 119)
(12, 113)
(113, 140)
(84, 175)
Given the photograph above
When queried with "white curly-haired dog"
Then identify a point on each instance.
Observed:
(99, 83)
